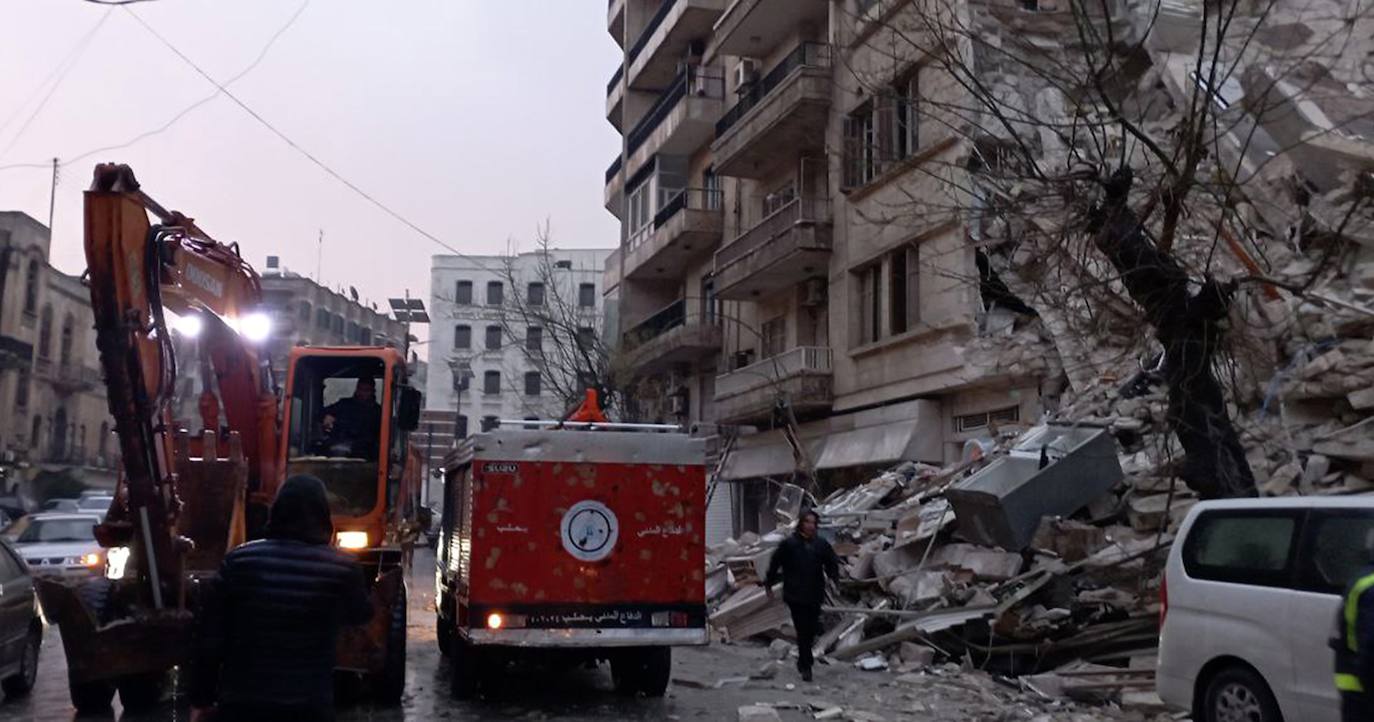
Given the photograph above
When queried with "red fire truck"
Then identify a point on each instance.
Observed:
(574, 542)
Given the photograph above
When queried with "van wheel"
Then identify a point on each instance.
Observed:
(22, 682)
(464, 663)
(1236, 694)
(391, 683)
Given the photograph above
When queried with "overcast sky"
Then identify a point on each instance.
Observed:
(476, 120)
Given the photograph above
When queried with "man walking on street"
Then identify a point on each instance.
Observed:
(264, 647)
(1354, 645)
(802, 561)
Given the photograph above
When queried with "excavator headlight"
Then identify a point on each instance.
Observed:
(189, 325)
(116, 559)
(256, 327)
(352, 539)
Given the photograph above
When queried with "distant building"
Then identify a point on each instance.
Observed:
(53, 412)
(473, 332)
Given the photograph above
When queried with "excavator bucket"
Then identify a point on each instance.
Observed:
(211, 484)
(101, 642)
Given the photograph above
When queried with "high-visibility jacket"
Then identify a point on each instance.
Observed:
(1353, 641)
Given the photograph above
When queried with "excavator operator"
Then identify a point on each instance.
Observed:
(352, 425)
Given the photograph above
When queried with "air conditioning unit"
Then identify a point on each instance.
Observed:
(814, 292)
(746, 72)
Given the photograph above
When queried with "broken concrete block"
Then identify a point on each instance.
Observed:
(918, 588)
(1071, 540)
(874, 663)
(918, 654)
(780, 648)
(831, 712)
(758, 713)
(1355, 449)
(1281, 480)
(1361, 400)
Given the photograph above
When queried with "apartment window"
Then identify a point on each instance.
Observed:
(496, 293)
(493, 339)
(535, 294)
(352, 331)
(462, 293)
(322, 319)
(490, 422)
(460, 427)
(35, 431)
(64, 347)
(101, 442)
(31, 289)
(639, 213)
(976, 422)
(305, 312)
(564, 264)
(710, 305)
(462, 336)
(710, 182)
(905, 107)
(491, 382)
(365, 336)
(586, 337)
(534, 339)
(21, 390)
(45, 334)
(338, 323)
(533, 384)
(774, 337)
(860, 146)
(904, 286)
(586, 295)
(870, 303)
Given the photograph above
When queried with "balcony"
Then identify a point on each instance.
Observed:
(790, 245)
(671, 335)
(681, 120)
(686, 228)
(751, 28)
(615, 97)
(782, 116)
(615, 188)
(72, 378)
(654, 56)
(615, 21)
(802, 375)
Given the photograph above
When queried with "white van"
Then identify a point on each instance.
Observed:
(1249, 603)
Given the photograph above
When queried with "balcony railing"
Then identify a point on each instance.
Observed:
(815, 55)
(654, 22)
(74, 375)
(615, 79)
(612, 171)
(692, 79)
(798, 210)
(696, 199)
(801, 360)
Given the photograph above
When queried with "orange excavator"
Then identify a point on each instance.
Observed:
(183, 501)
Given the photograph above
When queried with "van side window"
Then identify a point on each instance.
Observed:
(1334, 549)
(1242, 547)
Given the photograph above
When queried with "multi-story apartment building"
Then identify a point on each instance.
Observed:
(55, 415)
(494, 322)
(783, 253)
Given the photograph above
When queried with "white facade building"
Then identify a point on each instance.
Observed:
(478, 329)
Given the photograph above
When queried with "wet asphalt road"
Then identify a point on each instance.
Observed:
(578, 694)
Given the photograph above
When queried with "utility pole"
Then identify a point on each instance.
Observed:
(319, 255)
(52, 197)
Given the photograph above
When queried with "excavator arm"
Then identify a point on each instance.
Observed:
(146, 278)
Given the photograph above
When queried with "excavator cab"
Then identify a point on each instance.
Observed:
(346, 420)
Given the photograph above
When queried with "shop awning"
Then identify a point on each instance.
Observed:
(765, 454)
(878, 439)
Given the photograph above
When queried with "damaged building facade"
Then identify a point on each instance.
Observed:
(790, 271)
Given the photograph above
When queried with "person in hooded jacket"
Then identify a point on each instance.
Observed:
(270, 620)
(802, 562)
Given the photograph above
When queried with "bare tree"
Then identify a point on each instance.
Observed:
(1112, 163)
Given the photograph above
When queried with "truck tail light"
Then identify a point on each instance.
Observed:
(668, 619)
(497, 620)
(352, 539)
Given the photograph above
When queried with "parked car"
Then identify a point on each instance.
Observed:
(1251, 591)
(63, 505)
(21, 631)
(62, 544)
(98, 504)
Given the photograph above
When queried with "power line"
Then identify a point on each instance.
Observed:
(55, 79)
(286, 139)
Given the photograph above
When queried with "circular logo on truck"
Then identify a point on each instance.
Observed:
(590, 530)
